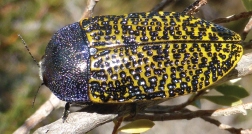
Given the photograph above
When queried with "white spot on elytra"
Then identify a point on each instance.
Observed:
(82, 66)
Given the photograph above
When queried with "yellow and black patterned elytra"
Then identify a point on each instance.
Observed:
(138, 56)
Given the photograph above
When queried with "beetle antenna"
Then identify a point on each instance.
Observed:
(36, 94)
(28, 49)
(35, 62)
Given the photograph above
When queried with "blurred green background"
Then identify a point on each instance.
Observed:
(37, 20)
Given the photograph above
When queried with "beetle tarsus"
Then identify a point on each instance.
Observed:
(66, 112)
(133, 111)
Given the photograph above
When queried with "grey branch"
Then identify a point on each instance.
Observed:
(81, 122)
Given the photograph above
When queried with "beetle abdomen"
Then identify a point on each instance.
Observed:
(144, 56)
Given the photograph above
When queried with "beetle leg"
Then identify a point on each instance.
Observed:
(66, 111)
(133, 110)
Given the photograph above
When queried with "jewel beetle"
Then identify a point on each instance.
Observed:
(137, 56)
